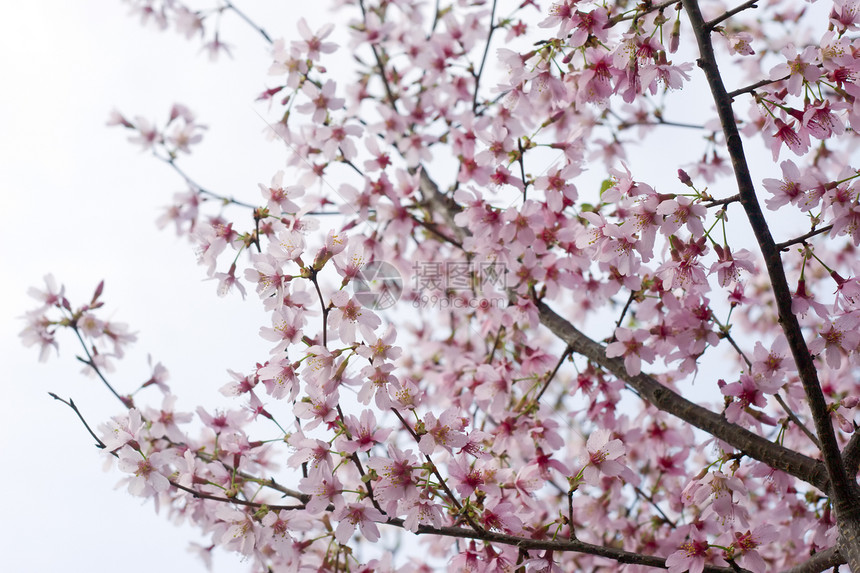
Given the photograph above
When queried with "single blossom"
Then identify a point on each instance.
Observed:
(359, 515)
(630, 345)
(691, 557)
(147, 477)
(601, 456)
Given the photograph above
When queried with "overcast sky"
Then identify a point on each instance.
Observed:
(79, 201)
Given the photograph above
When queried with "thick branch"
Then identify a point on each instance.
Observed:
(819, 562)
(851, 455)
(665, 399)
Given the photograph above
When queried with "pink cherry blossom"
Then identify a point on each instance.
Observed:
(746, 543)
(629, 344)
(354, 515)
(347, 315)
(689, 557)
(838, 336)
(601, 456)
(146, 471)
(607, 356)
(312, 43)
(322, 100)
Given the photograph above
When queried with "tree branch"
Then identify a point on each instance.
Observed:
(90, 361)
(851, 454)
(198, 188)
(71, 404)
(475, 532)
(639, 14)
(663, 398)
(229, 5)
(746, 5)
(382, 76)
(845, 502)
(480, 71)
(551, 375)
(726, 201)
(793, 417)
(786, 244)
(819, 562)
(574, 545)
(237, 501)
(753, 87)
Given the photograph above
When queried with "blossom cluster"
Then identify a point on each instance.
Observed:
(502, 434)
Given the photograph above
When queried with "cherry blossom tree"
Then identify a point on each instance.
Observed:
(490, 337)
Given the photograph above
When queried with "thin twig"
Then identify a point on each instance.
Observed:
(624, 310)
(71, 404)
(567, 352)
(355, 459)
(480, 72)
(746, 5)
(304, 498)
(653, 503)
(250, 22)
(801, 239)
(378, 59)
(726, 201)
(639, 14)
(628, 124)
(233, 500)
(498, 338)
(323, 305)
(198, 188)
(753, 87)
(441, 479)
(435, 19)
(432, 228)
(126, 401)
(728, 337)
(793, 417)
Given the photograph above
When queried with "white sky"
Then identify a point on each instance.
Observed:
(79, 201)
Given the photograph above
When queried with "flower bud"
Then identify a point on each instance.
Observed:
(685, 179)
(675, 38)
